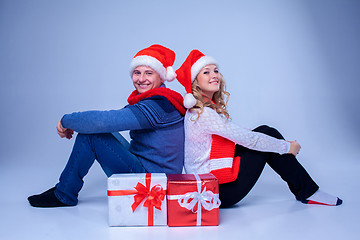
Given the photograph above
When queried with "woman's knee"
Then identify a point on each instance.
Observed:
(269, 131)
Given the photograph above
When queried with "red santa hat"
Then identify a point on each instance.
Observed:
(158, 58)
(188, 72)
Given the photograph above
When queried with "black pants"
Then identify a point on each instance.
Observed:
(252, 164)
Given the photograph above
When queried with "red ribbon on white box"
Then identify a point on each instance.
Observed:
(206, 199)
(153, 197)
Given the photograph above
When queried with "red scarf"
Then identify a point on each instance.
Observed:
(222, 148)
(175, 98)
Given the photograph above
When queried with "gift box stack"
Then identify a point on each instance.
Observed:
(156, 199)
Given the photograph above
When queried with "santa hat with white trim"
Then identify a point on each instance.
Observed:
(188, 72)
(158, 58)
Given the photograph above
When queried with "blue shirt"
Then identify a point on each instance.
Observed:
(156, 131)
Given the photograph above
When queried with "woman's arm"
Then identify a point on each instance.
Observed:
(213, 123)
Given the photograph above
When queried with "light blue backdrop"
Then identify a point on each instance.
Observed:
(290, 64)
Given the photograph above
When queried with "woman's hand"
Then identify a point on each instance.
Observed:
(294, 147)
(64, 132)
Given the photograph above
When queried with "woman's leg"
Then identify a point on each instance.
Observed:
(252, 164)
(113, 157)
(290, 170)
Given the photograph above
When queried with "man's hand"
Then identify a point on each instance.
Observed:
(64, 132)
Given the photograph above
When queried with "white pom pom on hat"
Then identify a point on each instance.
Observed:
(170, 74)
(189, 100)
(188, 71)
(158, 58)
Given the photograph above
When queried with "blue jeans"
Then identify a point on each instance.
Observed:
(111, 153)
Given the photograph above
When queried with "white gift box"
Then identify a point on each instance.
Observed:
(137, 199)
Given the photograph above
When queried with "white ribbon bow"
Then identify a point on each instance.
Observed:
(206, 199)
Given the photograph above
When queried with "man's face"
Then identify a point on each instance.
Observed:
(145, 78)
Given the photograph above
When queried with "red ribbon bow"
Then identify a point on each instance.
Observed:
(154, 196)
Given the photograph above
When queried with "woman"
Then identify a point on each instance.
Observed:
(154, 117)
(236, 156)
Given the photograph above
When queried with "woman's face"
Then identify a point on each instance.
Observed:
(209, 80)
(145, 78)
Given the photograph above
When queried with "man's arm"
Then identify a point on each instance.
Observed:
(90, 122)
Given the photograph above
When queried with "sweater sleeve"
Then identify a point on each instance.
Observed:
(90, 122)
(150, 113)
(213, 123)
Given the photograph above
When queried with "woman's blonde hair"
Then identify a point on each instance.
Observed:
(218, 103)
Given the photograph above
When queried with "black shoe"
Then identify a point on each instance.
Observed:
(46, 199)
(339, 202)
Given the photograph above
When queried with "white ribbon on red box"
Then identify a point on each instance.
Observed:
(206, 199)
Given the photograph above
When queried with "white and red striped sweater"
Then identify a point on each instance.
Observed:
(210, 144)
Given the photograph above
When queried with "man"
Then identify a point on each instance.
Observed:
(154, 117)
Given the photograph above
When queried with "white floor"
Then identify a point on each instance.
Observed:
(268, 212)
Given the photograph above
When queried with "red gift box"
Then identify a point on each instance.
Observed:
(193, 200)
